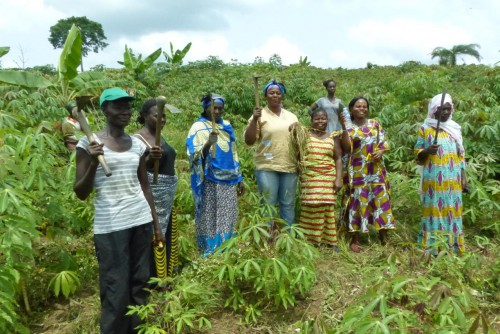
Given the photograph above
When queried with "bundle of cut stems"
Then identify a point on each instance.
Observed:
(299, 136)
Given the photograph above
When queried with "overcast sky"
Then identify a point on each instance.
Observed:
(334, 33)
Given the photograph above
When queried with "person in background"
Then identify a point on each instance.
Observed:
(69, 128)
(275, 167)
(124, 212)
(367, 187)
(164, 190)
(320, 160)
(331, 105)
(443, 180)
(216, 179)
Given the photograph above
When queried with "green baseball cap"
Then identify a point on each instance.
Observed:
(112, 94)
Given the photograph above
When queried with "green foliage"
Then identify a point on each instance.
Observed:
(66, 282)
(430, 298)
(93, 37)
(23, 79)
(256, 272)
(449, 56)
(4, 50)
(174, 59)
(174, 310)
(70, 58)
(304, 62)
(135, 65)
(280, 286)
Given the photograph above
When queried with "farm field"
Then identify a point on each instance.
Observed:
(48, 271)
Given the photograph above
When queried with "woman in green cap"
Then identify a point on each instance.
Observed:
(124, 212)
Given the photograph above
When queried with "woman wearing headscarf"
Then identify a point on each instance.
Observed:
(441, 167)
(216, 179)
(331, 105)
(275, 167)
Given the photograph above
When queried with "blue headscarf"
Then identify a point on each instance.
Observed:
(206, 101)
(273, 83)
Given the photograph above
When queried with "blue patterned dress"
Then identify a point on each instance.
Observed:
(441, 192)
(213, 182)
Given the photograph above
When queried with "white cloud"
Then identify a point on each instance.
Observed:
(289, 52)
(331, 34)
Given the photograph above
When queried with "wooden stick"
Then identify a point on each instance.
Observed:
(80, 115)
(257, 98)
(439, 116)
(160, 105)
(214, 125)
(256, 90)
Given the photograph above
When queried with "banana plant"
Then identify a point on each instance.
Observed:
(135, 65)
(4, 50)
(175, 58)
(70, 83)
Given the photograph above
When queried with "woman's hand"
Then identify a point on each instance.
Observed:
(95, 149)
(155, 153)
(212, 138)
(339, 183)
(159, 237)
(377, 155)
(292, 126)
(432, 149)
(240, 189)
(465, 184)
(257, 113)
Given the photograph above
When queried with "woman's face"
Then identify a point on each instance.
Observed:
(331, 87)
(444, 112)
(274, 96)
(319, 121)
(360, 109)
(218, 111)
(151, 118)
(119, 112)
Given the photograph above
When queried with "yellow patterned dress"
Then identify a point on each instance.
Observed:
(367, 186)
(441, 192)
(318, 197)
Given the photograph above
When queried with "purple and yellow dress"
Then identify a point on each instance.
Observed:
(367, 187)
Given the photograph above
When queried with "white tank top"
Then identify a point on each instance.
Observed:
(119, 202)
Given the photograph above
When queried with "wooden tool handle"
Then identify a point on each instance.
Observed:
(80, 115)
(214, 125)
(256, 90)
(443, 96)
(160, 105)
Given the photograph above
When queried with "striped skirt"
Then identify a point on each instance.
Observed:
(318, 223)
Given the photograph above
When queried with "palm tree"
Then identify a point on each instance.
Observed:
(449, 56)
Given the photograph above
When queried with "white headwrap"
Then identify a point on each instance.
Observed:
(449, 126)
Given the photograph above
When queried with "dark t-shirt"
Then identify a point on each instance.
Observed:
(167, 160)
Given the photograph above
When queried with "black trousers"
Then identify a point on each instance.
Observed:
(124, 259)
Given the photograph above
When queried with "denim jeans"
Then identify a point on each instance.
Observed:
(279, 188)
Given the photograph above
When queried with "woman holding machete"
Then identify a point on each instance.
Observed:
(441, 165)
(164, 190)
(275, 167)
(124, 210)
(216, 179)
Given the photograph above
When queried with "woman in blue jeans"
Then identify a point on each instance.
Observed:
(275, 167)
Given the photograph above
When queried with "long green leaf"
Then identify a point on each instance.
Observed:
(149, 60)
(71, 56)
(4, 50)
(24, 79)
